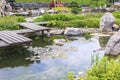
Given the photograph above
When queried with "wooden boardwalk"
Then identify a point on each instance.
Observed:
(33, 26)
(41, 23)
(23, 31)
(10, 38)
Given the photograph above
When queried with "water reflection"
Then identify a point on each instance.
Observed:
(78, 60)
(103, 41)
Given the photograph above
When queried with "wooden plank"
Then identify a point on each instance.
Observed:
(23, 31)
(12, 38)
(3, 44)
(33, 26)
(41, 23)
(9, 38)
(30, 26)
(2, 37)
(20, 37)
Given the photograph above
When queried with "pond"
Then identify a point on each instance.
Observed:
(76, 59)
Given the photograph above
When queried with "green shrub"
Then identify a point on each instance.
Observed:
(8, 23)
(62, 9)
(116, 14)
(70, 76)
(45, 17)
(91, 23)
(117, 21)
(73, 4)
(94, 15)
(20, 19)
(105, 69)
(76, 10)
(58, 24)
(39, 19)
(58, 17)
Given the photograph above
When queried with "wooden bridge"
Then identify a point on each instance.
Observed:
(11, 38)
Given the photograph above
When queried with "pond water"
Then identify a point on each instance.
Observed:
(77, 59)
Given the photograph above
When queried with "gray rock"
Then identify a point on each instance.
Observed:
(106, 22)
(113, 45)
(115, 27)
(35, 12)
(56, 32)
(72, 31)
(86, 9)
(59, 42)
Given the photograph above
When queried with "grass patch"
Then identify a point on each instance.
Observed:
(10, 22)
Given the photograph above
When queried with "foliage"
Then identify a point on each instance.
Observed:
(63, 20)
(91, 23)
(20, 19)
(45, 17)
(94, 15)
(76, 10)
(70, 76)
(79, 1)
(117, 21)
(116, 14)
(97, 3)
(74, 4)
(75, 7)
(58, 17)
(105, 69)
(62, 9)
(8, 23)
(58, 24)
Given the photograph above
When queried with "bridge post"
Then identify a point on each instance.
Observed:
(42, 34)
(48, 35)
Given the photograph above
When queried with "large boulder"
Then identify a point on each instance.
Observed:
(72, 31)
(106, 22)
(113, 45)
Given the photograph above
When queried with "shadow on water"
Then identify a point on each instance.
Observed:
(103, 41)
(13, 57)
(77, 59)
